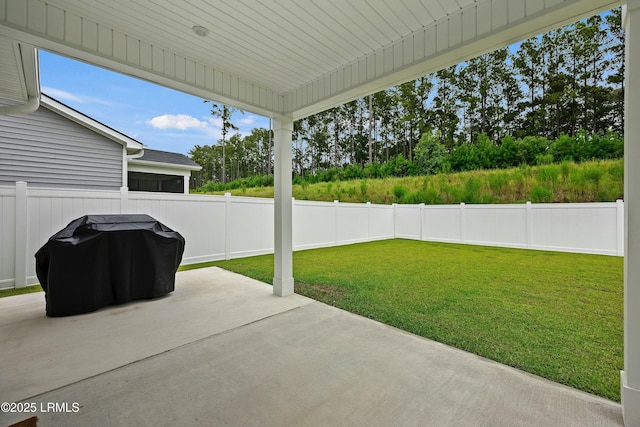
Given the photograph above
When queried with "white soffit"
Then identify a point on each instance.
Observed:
(272, 57)
(11, 73)
(19, 79)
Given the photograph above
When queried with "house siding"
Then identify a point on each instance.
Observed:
(48, 150)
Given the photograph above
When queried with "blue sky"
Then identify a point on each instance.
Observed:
(160, 118)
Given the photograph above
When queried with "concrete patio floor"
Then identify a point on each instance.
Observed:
(222, 350)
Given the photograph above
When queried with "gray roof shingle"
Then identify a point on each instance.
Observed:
(158, 156)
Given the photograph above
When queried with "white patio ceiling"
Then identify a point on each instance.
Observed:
(274, 57)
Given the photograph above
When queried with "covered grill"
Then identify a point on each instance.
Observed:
(101, 260)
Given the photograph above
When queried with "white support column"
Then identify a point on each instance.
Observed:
(630, 377)
(283, 206)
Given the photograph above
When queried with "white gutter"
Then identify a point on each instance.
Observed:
(29, 107)
(30, 71)
(135, 155)
(165, 165)
(125, 164)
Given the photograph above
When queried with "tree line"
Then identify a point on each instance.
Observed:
(556, 96)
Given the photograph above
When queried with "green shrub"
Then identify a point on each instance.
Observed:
(544, 159)
(616, 170)
(548, 175)
(509, 154)
(430, 156)
(363, 187)
(432, 196)
(498, 181)
(451, 193)
(565, 169)
(399, 192)
(594, 174)
(413, 198)
(472, 190)
(541, 195)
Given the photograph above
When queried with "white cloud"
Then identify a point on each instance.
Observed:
(247, 121)
(245, 124)
(179, 121)
(216, 121)
(213, 133)
(61, 94)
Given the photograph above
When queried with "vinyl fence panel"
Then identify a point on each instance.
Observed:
(249, 227)
(225, 227)
(200, 219)
(576, 227)
(381, 222)
(496, 225)
(314, 224)
(407, 221)
(352, 223)
(442, 223)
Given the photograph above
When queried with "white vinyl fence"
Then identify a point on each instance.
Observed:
(225, 227)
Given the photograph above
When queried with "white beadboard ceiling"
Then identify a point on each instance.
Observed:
(293, 57)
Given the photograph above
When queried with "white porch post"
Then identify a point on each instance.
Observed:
(630, 377)
(283, 205)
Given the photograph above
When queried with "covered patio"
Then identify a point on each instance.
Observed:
(287, 60)
(223, 350)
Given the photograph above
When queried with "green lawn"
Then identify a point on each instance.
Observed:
(557, 315)
(19, 291)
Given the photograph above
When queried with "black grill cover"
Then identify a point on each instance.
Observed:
(101, 260)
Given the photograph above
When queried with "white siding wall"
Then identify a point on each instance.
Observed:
(48, 150)
(225, 227)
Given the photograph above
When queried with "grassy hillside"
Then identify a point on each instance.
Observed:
(596, 181)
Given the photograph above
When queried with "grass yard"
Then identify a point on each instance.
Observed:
(19, 291)
(556, 315)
